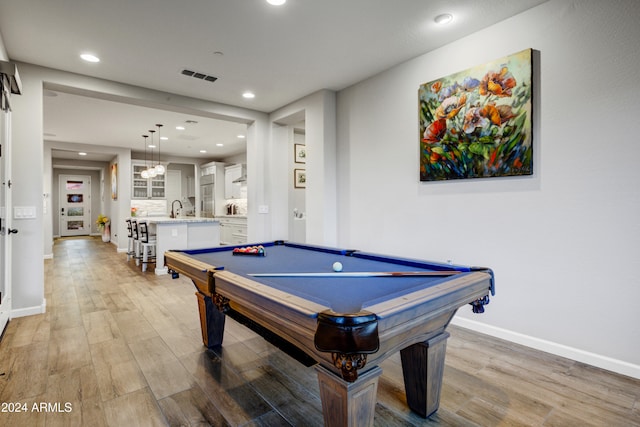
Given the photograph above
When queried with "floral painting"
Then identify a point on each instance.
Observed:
(114, 181)
(477, 123)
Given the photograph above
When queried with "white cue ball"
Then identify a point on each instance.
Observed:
(337, 266)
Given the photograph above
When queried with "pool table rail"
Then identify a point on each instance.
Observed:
(198, 271)
(457, 291)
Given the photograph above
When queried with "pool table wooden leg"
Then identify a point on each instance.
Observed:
(348, 404)
(211, 321)
(422, 368)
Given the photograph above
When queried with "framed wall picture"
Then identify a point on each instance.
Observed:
(300, 153)
(477, 123)
(299, 178)
(114, 181)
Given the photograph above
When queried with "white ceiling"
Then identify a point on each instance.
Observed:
(279, 53)
(80, 119)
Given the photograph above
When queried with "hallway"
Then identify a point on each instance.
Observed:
(120, 347)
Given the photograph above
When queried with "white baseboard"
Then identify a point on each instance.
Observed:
(30, 311)
(600, 361)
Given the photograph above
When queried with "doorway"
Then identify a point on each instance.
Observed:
(75, 205)
(298, 194)
(290, 171)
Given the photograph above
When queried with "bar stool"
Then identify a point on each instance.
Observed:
(147, 246)
(136, 241)
(131, 245)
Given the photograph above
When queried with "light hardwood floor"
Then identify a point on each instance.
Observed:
(118, 347)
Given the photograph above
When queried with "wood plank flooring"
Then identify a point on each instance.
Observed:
(118, 347)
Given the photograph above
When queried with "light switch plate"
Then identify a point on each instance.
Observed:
(263, 209)
(24, 212)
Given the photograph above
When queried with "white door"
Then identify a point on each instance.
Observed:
(5, 217)
(75, 205)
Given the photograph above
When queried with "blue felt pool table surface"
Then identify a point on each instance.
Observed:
(342, 294)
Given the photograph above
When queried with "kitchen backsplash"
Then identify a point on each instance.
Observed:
(161, 208)
(149, 207)
(235, 207)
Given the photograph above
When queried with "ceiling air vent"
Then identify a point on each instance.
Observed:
(201, 76)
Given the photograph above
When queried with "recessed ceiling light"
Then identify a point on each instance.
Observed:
(219, 145)
(241, 136)
(151, 146)
(203, 151)
(90, 57)
(82, 153)
(248, 95)
(443, 19)
(277, 2)
(164, 138)
(180, 127)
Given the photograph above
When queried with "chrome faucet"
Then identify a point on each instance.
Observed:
(173, 215)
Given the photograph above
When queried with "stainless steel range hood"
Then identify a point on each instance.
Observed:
(242, 179)
(243, 175)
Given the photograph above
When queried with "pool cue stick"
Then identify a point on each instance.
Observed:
(349, 274)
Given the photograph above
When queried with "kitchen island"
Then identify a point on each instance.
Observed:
(181, 233)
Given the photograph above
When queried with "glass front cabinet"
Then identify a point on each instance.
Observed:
(150, 188)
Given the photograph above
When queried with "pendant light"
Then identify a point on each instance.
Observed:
(159, 167)
(145, 173)
(152, 170)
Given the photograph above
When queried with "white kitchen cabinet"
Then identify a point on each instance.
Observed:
(233, 230)
(191, 186)
(150, 188)
(208, 169)
(233, 190)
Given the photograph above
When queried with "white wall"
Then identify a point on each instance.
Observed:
(3, 51)
(27, 190)
(564, 243)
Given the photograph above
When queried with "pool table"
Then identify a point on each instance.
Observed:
(346, 322)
